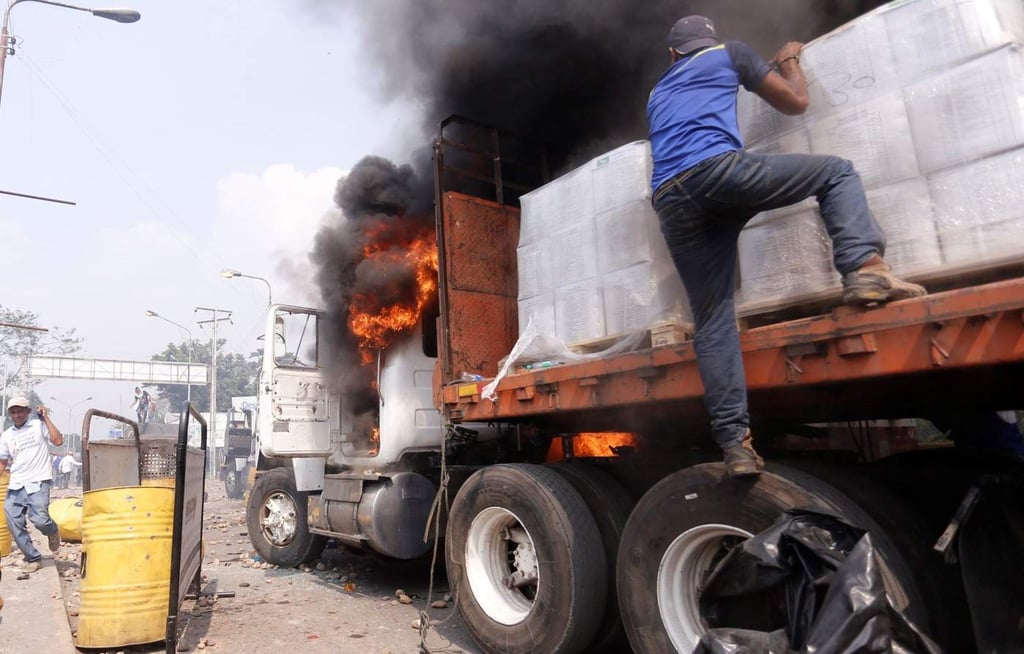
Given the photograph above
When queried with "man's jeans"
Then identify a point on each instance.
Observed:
(702, 211)
(37, 506)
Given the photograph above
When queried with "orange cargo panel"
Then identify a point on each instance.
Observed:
(479, 316)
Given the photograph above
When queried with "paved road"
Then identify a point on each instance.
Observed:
(345, 602)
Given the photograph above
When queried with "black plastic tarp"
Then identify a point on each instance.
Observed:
(823, 575)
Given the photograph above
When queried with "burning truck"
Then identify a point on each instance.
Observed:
(459, 385)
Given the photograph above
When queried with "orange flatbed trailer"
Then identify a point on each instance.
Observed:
(953, 356)
(962, 347)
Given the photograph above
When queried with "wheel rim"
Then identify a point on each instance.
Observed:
(278, 519)
(682, 572)
(502, 566)
(230, 480)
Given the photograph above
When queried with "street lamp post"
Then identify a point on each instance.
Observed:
(7, 44)
(227, 273)
(188, 386)
(70, 407)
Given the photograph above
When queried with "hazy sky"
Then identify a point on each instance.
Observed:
(208, 135)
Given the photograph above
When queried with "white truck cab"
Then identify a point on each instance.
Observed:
(301, 415)
(321, 473)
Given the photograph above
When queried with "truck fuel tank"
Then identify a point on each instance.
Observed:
(387, 514)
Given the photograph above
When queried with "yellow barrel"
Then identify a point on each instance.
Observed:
(126, 566)
(5, 533)
(67, 513)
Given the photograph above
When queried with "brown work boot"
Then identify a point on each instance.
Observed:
(31, 566)
(53, 540)
(875, 284)
(741, 460)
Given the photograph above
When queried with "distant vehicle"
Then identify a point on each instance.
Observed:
(238, 444)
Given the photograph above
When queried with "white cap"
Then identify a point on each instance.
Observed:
(18, 400)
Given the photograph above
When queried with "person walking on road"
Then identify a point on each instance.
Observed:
(24, 448)
(67, 469)
(706, 187)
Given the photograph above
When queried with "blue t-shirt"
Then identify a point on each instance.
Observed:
(692, 109)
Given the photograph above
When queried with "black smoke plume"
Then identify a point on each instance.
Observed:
(381, 203)
(573, 74)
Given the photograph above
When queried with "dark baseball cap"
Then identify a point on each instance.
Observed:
(692, 32)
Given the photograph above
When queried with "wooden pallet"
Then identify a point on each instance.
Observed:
(659, 335)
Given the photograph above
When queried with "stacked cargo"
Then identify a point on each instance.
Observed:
(926, 97)
(592, 261)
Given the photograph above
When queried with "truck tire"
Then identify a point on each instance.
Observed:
(610, 504)
(234, 481)
(525, 562)
(679, 528)
(276, 518)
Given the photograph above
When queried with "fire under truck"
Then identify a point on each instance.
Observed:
(553, 545)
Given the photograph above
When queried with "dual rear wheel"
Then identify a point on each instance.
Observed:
(533, 565)
(528, 558)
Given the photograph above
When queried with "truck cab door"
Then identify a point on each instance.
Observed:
(293, 417)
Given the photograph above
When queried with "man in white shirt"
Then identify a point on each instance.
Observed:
(67, 469)
(24, 448)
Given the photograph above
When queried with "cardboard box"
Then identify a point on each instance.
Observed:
(969, 112)
(904, 212)
(638, 297)
(874, 135)
(979, 211)
(932, 35)
(579, 312)
(627, 235)
(783, 257)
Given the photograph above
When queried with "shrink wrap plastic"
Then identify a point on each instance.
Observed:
(926, 98)
(591, 257)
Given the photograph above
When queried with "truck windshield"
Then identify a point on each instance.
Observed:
(295, 339)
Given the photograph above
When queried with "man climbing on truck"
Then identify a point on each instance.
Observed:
(706, 187)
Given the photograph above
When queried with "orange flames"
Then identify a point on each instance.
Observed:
(374, 442)
(592, 445)
(373, 323)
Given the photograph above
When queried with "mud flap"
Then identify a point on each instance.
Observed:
(989, 546)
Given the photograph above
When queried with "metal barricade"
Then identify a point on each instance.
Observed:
(141, 533)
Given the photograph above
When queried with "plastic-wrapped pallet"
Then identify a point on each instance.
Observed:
(925, 97)
(592, 261)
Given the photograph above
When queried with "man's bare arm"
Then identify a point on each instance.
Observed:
(56, 437)
(785, 90)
